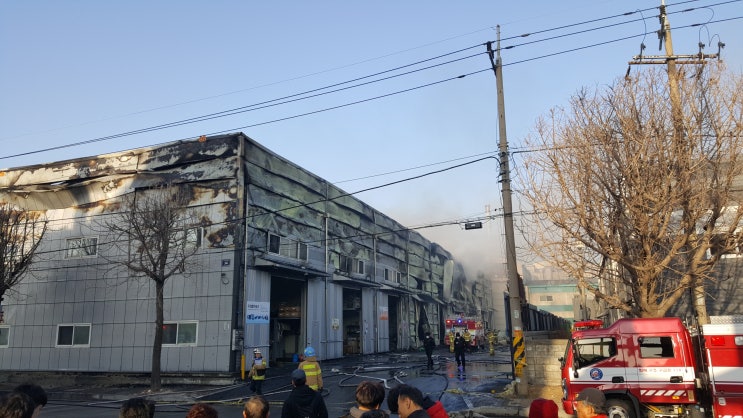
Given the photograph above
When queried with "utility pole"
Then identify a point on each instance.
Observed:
(679, 134)
(518, 347)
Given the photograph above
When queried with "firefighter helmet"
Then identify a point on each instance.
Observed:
(309, 352)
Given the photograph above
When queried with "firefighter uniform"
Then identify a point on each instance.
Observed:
(491, 342)
(311, 368)
(257, 372)
(467, 339)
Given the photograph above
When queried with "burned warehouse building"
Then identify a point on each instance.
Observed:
(281, 259)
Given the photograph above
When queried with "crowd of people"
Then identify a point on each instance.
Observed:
(306, 400)
(27, 401)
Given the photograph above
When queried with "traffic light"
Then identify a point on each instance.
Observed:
(473, 225)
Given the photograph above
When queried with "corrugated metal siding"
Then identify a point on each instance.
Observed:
(315, 315)
(383, 325)
(334, 342)
(77, 196)
(368, 321)
(282, 198)
(258, 289)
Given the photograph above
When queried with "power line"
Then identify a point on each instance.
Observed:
(384, 56)
(446, 80)
(324, 241)
(361, 62)
(494, 152)
(234, 111)
(306, 204)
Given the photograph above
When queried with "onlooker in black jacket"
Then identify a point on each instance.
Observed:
(429, 344)
(459, 347)
(303, 402)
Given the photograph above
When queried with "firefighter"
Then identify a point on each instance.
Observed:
(467, 340)
(311, 368)
(257, 372)
(451, 340)
(491, 342)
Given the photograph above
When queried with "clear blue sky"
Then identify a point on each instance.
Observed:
(74, 71)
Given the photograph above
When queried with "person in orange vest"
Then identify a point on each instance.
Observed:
(311, 368)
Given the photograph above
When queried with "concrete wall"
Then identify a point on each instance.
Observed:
(542, 358)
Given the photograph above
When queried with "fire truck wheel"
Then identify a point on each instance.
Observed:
(619, 408)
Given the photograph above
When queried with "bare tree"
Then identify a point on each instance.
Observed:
(636, 211)
(21, 232)
(154, 236)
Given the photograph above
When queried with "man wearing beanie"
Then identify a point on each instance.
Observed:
(303, 402)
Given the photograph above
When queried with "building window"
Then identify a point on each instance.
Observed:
(180, 333)
(4, 336)
(81, 247)
(193, 237)
(545, 298)
(73, 335)
(387, 274)
(274, 243)
(351, 265)
(344, 263)
(398, 278)
(302, 251)
(287, 247)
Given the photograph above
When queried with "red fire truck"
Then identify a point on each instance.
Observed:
(459, 324)
(655, 367)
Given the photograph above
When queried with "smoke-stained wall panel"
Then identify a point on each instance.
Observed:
(244, 192)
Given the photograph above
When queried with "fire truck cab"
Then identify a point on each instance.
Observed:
(653, 367)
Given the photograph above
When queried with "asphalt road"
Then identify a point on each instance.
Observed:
(457, 390)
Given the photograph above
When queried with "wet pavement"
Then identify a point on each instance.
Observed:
(458, 390)
(476, 388)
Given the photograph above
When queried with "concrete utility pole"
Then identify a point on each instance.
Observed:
(670, 60)
(518, 348)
